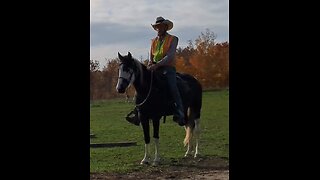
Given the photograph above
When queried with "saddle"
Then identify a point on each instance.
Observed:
(161, 85)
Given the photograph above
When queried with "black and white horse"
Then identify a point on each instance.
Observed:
(153, 101)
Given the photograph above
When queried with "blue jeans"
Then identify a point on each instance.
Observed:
(170, 73)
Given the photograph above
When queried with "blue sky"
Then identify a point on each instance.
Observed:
(125, 25)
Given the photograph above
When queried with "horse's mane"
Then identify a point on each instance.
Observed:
(139, 66)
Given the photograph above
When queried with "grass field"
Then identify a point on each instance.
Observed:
(108, 124)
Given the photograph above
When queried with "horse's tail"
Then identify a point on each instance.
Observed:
(194, 109)
(189, 127)
(189, 134)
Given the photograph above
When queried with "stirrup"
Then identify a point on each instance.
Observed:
(133, 118)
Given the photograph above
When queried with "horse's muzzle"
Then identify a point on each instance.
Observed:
(121, 90)
(122, 85)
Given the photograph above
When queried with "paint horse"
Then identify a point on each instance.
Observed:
(153, 101)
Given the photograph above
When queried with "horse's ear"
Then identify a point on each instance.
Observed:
(119, 56)
(129, 55)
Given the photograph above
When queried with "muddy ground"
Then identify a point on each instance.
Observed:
(213, 168)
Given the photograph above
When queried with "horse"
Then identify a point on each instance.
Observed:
(153, 102)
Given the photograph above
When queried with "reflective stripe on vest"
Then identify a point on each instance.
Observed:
(160, 50)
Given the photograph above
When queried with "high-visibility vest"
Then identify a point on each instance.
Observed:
(159, 50)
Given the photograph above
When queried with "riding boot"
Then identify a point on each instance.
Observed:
(178, 113)
(133, 117)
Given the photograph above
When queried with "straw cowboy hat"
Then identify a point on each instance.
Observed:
(161, 20)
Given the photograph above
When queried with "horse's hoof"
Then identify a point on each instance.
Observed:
(156, 163)
(187, 155)
(197, 155)
(144, 162)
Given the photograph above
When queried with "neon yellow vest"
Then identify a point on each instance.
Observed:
(159, 49)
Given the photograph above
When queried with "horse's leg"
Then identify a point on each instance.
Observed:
(145, 126)
(188, 129)
(197, 136)
(156, 125)
(189, 132)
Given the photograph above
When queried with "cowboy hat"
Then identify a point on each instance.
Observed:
(161, 20)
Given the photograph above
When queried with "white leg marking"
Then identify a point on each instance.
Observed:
(146, 158)
(197, 136)
(188, 140)
(156, 160)
(188, 153)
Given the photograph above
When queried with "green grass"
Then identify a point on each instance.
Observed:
(108, 124)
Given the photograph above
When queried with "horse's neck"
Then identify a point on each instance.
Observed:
(142, 85)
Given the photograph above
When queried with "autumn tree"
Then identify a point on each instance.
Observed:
(207, 60)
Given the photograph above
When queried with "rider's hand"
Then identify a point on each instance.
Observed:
(153, 67)
(149, 63)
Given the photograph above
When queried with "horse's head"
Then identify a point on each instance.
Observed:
(127, 70)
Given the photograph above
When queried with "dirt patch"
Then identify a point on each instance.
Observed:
(213, 168)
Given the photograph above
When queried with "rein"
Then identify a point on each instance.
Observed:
(138, 105)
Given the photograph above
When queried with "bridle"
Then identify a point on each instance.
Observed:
(125, 79)
(128, 81)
